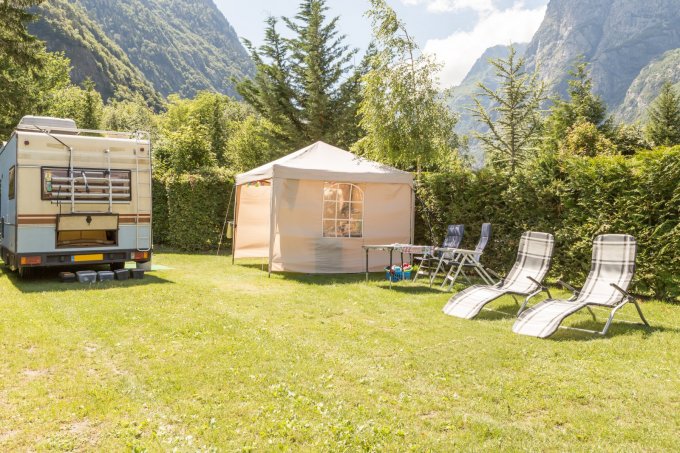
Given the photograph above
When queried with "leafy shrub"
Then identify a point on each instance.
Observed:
(197, 204)
(574, 198)
(160, 210)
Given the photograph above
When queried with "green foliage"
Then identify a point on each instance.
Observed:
(252, 142)
(16, 44)
(663, 128)
(585, 139)
(629, 139)
(514, 120)
(210, 130)
(130, 115)
(581, 106)
(25, 91)
(406, 120)
(574, 198)
(197, 205)
(160, 214)
(84, 105)
(305, 85)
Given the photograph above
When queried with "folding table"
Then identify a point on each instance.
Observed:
(401, 248)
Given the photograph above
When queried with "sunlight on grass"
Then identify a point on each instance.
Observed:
(207, 355)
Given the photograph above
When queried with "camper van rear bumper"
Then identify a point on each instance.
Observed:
(78, 258)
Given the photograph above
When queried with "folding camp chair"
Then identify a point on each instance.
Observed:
(612, 269)
(532, 264)
(471, 261)
(430, 263)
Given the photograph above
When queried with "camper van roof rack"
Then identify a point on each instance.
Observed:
(68, 127)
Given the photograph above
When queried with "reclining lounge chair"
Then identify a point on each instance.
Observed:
(470, 262)
(430, 264)
(612, 269)
(525, 277)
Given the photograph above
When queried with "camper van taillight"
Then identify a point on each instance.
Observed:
(140, 255)
(31, 260)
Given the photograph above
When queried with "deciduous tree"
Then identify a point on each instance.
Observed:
(406, 120)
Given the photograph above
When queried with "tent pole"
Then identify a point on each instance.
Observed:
(271, 226)
(226, 219)
(233, 239)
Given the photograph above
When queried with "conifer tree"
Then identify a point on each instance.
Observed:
(581, 106)
(513, 121)
(16, 44)
(305, 85)
(92, 106)
(663, 128)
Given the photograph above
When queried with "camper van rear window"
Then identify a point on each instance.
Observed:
(343, 211)
(85, 184)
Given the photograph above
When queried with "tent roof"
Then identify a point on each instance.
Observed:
(324, 162)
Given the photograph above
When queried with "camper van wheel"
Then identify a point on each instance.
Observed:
(117, 266)
(25, 272)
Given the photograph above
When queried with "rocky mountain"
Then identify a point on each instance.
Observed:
(647, 85)
(632, 48)
(168, 46)
(619, 38)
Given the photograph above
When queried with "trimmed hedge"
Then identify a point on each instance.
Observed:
(191, 209)
(575, 199)
(160, 210)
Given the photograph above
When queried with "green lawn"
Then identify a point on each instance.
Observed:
(210, 356)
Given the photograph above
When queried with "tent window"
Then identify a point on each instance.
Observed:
(343, 211)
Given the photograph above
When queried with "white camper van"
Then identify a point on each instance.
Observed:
(71, 196)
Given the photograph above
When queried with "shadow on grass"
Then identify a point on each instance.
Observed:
(568, 332)
(47, 280)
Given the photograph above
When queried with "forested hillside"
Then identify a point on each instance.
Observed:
(66, 27)
(178, 46)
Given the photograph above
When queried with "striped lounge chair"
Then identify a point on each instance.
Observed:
(525, 277)
(612, 269)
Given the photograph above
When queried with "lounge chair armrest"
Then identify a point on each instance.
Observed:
(539, 284)
(621, 290)
(566, 285)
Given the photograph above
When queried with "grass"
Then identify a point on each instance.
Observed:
(209, 356)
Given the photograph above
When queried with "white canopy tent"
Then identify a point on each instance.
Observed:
(313, 210)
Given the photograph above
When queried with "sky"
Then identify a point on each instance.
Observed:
(457, 32)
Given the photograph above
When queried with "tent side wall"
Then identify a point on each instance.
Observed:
(299, 245)
(252, 221)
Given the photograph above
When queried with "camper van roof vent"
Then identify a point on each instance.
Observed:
(47, 123)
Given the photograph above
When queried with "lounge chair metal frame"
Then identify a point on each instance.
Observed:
(534, 256)
(627, 298)
(454, 236)
(531, 324)
(470, 261)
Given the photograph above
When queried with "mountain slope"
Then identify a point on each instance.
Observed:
(647, 85)
(181, 46)
(617, 37)
(65, 26)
